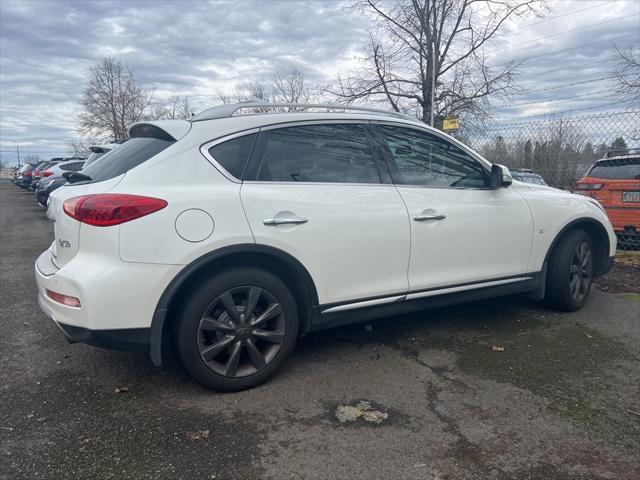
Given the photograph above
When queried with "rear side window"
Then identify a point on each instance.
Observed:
(623, 169)
(127, 156)
(335, 153)
(233, 155)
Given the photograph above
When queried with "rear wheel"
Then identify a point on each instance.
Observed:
(237, 329)
(570, 272)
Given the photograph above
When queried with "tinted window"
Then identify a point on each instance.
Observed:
(234, 154)
(127, 156)
(424, 159)
(624, 169)
(317, 153)
(93, 156)
(72, 167)
(41, 166)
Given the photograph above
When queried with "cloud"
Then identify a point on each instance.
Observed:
(194, 47)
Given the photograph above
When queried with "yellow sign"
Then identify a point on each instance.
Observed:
(451, 124)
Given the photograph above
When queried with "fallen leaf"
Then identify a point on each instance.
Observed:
(363, 410)
(121, 390)
(198, 435)
(496, 348)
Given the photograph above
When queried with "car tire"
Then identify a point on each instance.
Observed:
(230, 351)
(570, 272)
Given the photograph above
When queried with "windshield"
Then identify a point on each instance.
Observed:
(621, 169)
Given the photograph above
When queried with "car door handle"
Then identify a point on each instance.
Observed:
(288, 220)
(429, 215)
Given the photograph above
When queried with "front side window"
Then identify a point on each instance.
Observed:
(334, 153)
(420, 158)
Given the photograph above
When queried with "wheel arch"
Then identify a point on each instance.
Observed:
(276, 261)
(599, 238)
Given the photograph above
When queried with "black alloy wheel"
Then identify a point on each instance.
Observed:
(581, 272)
(570, 271)
(241, 331)
(236, 329)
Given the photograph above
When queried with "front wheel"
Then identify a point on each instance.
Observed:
(570, 272)
(237, 329)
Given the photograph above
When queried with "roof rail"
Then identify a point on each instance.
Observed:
(225, 111)
(618, 152)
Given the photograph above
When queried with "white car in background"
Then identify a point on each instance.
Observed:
(233, 234)
(65, 165)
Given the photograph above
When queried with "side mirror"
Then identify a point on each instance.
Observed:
(500, 176)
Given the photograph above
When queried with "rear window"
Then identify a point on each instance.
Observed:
(621, 169)
(127, 156)
(93, 156)
(72, 167)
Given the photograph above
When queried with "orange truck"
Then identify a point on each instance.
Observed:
(615, 182)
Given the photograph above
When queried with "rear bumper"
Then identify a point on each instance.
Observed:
(117, 299)
(127, 339)
(42, 197)
(623, 217)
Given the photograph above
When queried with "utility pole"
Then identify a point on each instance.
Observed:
(433, 83)
(18, 150)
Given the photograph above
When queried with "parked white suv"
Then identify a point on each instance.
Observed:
(230, 235)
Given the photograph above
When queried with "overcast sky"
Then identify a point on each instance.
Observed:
(195, 48)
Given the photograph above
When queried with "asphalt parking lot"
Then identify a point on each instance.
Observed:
(502, 389)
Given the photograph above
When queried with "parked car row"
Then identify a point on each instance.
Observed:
(45, 177)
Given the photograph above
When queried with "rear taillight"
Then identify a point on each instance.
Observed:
(47, 173)
(589, 186)
(108, 209)
(27, 174)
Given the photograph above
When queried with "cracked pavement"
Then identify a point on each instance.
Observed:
(561, 401)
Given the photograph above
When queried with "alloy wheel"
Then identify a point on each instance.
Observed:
(241, 331)
(581, 272)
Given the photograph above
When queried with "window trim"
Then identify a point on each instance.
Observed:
(204, 150)
(388, 156)
(378, 155)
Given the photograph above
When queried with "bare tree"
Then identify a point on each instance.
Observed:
(112, 100)
(289, 87)
(79, 147)
(422, 47)
(31, 158)
(628, 75)
(285, 87)
(175, 108)
(250, 90)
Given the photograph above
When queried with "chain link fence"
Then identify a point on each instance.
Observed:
(563, 149)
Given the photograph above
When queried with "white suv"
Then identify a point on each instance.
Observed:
(230, 235)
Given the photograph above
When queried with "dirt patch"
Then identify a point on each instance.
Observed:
(572, 367)
(624, 277)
